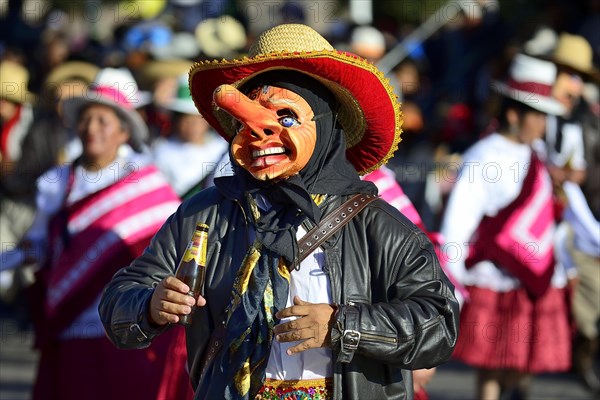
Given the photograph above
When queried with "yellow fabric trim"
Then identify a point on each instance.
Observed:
(318, 198)
(240, 285)
(268, 305)
(242, 378)
(235, 345)
(248, 266)
(297, 383)
(283, 269)
(254, 208)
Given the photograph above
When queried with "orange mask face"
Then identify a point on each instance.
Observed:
(276, 134)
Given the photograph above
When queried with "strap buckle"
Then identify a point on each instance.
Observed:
(350, 340)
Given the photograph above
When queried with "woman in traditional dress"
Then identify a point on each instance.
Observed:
(499, 227)
(93, 217)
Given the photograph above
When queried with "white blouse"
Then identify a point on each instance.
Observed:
(311, 284)
(491, 177)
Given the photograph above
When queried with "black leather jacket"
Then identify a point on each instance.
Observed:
(385, 278)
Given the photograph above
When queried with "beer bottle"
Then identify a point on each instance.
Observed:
(192, 267)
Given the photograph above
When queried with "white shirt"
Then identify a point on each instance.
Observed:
(571, 151)
(491, 177)
(581, 219)
(311, 284)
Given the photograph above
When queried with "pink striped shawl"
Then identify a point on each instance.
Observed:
(392, 192)
(104, 232)
(519, 237)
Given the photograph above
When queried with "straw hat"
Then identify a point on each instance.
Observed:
(71, 70)
(14, 79)
(369, 110)
(119, 101)
(576, 53)
(159, 69)
(220, 37)
(530, 82)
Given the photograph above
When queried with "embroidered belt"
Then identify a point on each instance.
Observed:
(306, 389)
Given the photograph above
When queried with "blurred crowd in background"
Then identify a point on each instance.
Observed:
(442, 61)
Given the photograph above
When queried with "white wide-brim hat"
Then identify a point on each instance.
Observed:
(122, 79)
(530, 82)
(115, 99)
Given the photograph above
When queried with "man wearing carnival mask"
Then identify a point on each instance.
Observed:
(281, 314)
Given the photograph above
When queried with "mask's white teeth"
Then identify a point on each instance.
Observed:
(269, 151)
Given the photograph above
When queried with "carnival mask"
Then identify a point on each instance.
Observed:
(276, 135)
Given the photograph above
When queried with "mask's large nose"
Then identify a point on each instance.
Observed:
(260, 120)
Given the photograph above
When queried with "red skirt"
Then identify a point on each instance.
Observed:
(509, 330)
(94, 369)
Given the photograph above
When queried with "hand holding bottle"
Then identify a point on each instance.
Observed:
(170, 301)
(175, 298)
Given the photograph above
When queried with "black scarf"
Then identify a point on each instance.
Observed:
(327, 171)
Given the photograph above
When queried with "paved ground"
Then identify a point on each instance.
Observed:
(17, 361)
(453, 381)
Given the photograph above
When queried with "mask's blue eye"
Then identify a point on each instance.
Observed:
(289, 122)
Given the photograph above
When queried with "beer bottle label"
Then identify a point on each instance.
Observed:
(196, 250)
(192, 250)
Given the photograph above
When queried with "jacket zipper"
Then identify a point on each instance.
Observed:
(372, 337)
(378, 338)
(121, 325)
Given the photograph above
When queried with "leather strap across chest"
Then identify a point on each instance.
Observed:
(332, 223)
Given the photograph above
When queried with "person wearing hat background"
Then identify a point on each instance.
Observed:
(567, 157)
(16, 112)
(192, 150)
(499, 226)
(564, 136)
(16, 118)
(363, 309)
(46, 144)
(159, 77)
(92, 216)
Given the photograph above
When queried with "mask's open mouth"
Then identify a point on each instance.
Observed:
(269, 156)
(269, 151)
